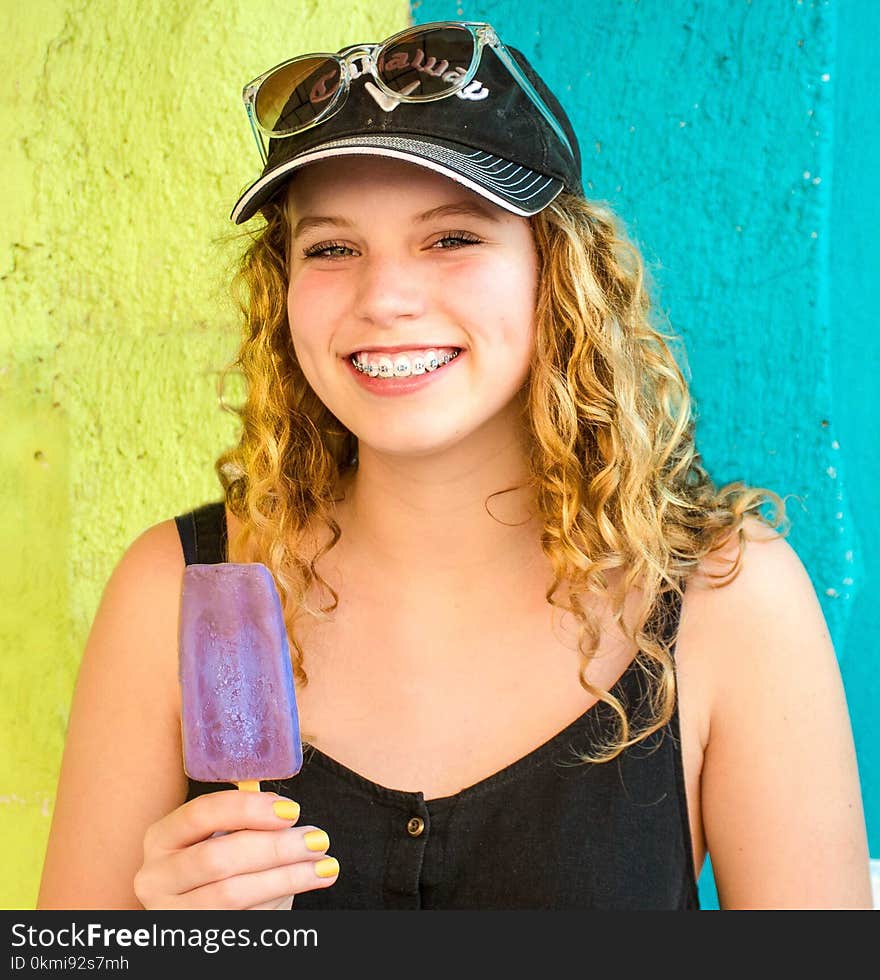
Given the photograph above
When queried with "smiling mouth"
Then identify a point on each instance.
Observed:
(373, 364)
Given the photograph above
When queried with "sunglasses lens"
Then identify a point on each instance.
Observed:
(427, 63)
(297, 93)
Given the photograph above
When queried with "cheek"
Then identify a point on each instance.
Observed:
(310, 312)
(502, 300)
(303, 295)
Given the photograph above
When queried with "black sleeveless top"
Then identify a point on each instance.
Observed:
(545, 832)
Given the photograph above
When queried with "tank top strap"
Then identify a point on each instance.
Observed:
(203, 534)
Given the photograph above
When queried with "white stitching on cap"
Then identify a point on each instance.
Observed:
(436, 166)
(468, 162)
(499, 162)
(529, 175)
(409, 149)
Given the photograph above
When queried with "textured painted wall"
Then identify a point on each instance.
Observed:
(125, 146)
(740, 142)
(852, 281)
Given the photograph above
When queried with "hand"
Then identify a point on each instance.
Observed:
(231, 850)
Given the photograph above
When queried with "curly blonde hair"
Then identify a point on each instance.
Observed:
(616, 476)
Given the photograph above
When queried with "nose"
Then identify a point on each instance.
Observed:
(391, 287)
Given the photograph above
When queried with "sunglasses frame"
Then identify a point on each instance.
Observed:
(482, 34)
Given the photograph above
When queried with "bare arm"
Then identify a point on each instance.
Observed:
(781, 799)
(121, 769)
(121, 836)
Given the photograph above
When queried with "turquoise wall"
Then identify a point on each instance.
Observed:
(740, 142)
(851, 281)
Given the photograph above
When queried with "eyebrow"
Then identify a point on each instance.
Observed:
(472, 208)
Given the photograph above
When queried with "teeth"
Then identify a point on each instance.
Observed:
(402, 365)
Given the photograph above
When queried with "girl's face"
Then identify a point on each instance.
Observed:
(389, 263)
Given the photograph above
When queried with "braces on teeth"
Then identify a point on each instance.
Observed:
(402, 367)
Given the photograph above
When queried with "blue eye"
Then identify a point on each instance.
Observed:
(460, 238)
(330, 250)
(336, 250)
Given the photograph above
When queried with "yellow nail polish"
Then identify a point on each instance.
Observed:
(327, 867)
(286, 809)
(316, 840)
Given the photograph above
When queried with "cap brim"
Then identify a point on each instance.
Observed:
(509, 185)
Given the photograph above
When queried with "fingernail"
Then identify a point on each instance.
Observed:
(316, 840)
(327, 867)
(286, 809)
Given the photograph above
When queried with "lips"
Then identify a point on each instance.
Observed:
(387, 376)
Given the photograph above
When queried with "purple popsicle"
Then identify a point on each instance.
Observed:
(238, 706)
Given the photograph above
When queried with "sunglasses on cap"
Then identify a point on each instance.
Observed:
(419, 64)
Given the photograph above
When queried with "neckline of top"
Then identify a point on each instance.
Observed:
(535, 758)
(670, 610)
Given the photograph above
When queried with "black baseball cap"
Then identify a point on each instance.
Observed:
(491, 138)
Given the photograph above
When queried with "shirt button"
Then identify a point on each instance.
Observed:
(415, 826)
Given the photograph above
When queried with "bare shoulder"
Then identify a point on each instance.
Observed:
(756, 612)
(140, 603)
(752, 628)
(155, 553)
(121, 769)
(751, 555)
(779, 788)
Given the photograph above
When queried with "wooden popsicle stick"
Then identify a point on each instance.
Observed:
(249, 786)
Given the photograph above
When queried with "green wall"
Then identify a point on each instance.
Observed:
(125, 146)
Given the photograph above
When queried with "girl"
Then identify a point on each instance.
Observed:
(542, 661)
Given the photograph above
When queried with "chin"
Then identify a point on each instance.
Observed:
(408, 442)
(407, 449)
